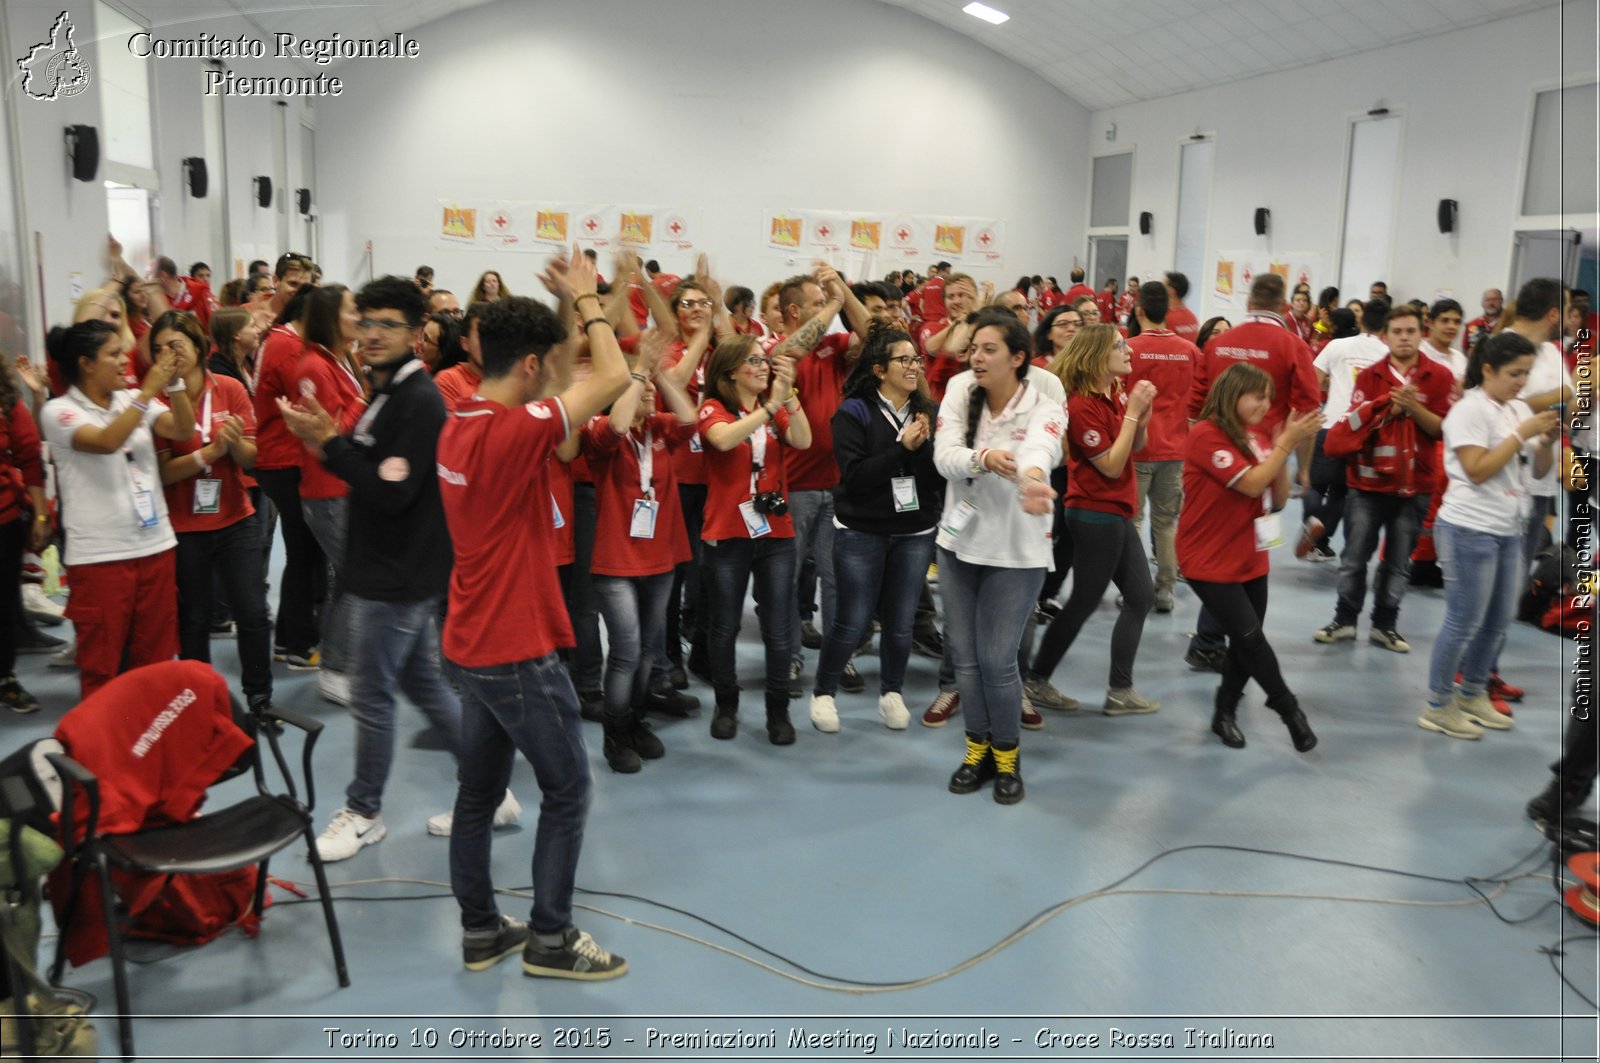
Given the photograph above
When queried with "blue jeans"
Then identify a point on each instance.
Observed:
(635, 611)
(812, 512)
(328, 519)
(985, 610)
(889, 568)
(396, 644)
(729, 564)
(1368, 514)
(1482, 579)
(531, 707)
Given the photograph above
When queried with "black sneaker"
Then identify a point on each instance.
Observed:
(1205, 660)
(16, 697)
(810, 637)
(670, 702)
(850, 680)
(928, 643)
(32, 640)
(482, 949)
(592, 705)
(576, 957)
(680, 678)
(797, 680)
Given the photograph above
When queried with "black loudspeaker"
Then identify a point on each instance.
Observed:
(1447, 215)
(1145, 218)
(263, 191)
(83, 147)
(1263, 221)
(302, 200)
(195, 168)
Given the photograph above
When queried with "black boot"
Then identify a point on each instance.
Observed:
(668, 701)
(780, 732)
(1223, 723)
(977, 767)
(725, 722)
(643, 739)
(619, 751)
(1299, 729)
(1008, 775)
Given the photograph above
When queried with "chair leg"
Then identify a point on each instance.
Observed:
(327, 908)
(119, 973)
(68, 911)
(19, 999)
(261, 889)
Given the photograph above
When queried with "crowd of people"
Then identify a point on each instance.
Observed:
(467, 494)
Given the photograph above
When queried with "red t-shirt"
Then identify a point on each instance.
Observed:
(21, 462)
(615, 463)
(1093, 423)
(1181, 320)
(819, 377)
(276, 446)
(457, 384)
(561, 512)
(1076, 292)
(334, 385)
(688, 462)
(1108, 307)
(941, 366)
(494, 481)
(226, 397)
(1263, 341)
(1216, 537)
(933, 299)
(1167, 361)
(196, 298)
(728, 476)
(1437, 384)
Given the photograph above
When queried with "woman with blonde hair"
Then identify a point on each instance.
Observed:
(1106, 424)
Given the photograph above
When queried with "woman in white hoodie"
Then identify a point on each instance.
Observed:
(997, 439)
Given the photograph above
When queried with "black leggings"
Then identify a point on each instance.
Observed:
(1060, 543)
(1110, 553)
(1239, 609)
(13, 541)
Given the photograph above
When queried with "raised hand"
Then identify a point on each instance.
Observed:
(652, 348)
(1141, 398)
(30, 374)
(782, 378)
(1300, 427)
(160, 374)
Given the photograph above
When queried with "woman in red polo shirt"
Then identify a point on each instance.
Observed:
(208, 501)
(750, 416)
(1232, 486)
(639, 542)
(1105, 425)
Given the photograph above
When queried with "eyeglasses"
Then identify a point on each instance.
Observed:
(914, 360)
(387, 326)
(755, 360)
(697, 304)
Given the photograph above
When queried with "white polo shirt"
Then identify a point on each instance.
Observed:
(1548, 373)
(98, 507)
(1342, 360)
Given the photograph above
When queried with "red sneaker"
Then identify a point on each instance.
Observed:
(1503, 708)
(1499, 688)
(1310, 532)
(946, 705)
(1031, 720)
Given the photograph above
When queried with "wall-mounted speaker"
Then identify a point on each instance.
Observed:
(1447, 215)
(263, 187)
(302, 200)
(1145, 220)
(194, 169)
(83, 148)
(1263, 221)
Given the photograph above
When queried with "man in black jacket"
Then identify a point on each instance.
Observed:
(398, 555)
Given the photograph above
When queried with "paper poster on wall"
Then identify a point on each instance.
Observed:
(1236, 270)
(827, 233)
(866, 234)
(986, 244)
(905, 237)
(949, 239)
(553, 226)
(784, 230)
(680, 229)
(636, 228)
(457, 224)
(503, 224)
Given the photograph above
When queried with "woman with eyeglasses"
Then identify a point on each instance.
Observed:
(997, 437)
(210, 505)
(888, 500)
(327, 371)
(120, 546)
(750, 419)
(1106, 425)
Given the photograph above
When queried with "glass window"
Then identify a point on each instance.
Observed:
(1109, 195)
(1561, 153)
(123, 81)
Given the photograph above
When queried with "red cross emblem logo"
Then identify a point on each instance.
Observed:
(823, 231)
(904, 234)
(501, 221)
(591, 225)
(985, 239)
(676, 228)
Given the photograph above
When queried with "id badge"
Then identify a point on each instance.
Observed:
(1269, 531)
(905, 494)
(960, 517)
(695, 446)
(207, 496)
(755, 523)
(144, 506)
(555, 508)
(643, 525)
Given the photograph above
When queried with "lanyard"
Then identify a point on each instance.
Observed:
(647, 462)
(1267, 319)
(888, 411)
(205, 417)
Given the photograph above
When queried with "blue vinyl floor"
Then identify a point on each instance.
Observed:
(845, 855)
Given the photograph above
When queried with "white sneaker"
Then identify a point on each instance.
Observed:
(66, 656)
(1449, 720)
(824, 714)
(1481, 711)
(1127, 701)
(334, 687)
(348, 833)
(41, 606)
(506, 815)
(892, 708)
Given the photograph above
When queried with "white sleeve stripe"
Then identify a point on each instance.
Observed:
(1239, 477)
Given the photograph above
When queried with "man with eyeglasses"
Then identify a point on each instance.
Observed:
(444, 301)
(397, 565)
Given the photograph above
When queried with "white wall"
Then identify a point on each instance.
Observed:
(1465, 99)
(731, 105)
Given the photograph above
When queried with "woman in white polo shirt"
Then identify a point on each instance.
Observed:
(120, 545)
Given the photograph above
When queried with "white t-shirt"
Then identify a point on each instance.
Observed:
(1549, 372)
(1500, 504)
(1453, 359)
(1342, 360)
(99, 506)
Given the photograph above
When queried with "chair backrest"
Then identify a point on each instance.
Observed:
(31, 767)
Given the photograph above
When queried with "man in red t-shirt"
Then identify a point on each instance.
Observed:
(1166, 360)
(185, 293)
(1180, 319)
(944, 340)
(1392, 505)
(1106, 300)
(460, 382)
(503, 627)
(1078, 289)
